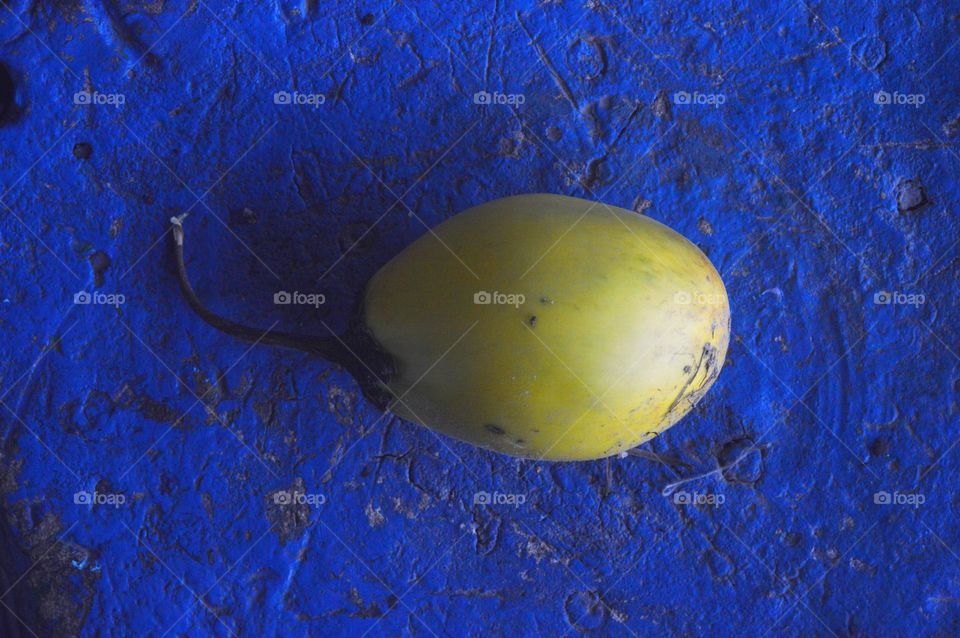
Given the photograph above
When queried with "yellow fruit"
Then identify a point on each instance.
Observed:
(603, 327)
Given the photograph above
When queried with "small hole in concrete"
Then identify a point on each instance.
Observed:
(8, 95)
(82, 150)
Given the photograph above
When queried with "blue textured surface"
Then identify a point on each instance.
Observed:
(808, 195)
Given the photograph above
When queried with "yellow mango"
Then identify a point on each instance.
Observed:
(549, 327)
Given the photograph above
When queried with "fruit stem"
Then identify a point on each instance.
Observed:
(357, 351)
(332, 349)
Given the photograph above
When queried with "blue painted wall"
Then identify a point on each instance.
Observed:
(809, 148)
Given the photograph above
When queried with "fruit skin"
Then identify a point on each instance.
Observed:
(623, 327)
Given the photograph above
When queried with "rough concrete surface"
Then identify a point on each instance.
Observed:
(161, 479)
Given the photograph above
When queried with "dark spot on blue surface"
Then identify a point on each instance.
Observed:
(99, 263)
(878, 447)
(82, 150)
(243, 216)
(8, 95)
(791, 539)
(366, 19)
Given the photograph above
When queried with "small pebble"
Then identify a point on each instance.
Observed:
(910, 195)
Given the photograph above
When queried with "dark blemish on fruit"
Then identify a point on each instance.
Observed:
(534, 430)
(546, 300)
(693, 393)
(82, 150)
(495, 429)
(520, 442)
(532, 321)
(687, 369)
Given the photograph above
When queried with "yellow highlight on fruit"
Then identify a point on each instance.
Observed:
(549, 327)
